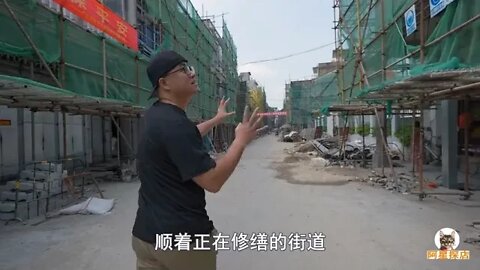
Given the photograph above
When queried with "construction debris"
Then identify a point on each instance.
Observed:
(92, 205)
(473, 241)
(306, 147)
(112, 171)
(293, 136)
(406, 183)
(475, 224)
(332, 149)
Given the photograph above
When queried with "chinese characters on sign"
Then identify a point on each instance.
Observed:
(271, 113)
(448, 254)
(242, 241)
(104, 19)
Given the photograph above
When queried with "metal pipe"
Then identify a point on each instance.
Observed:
(101, 75)
(121, 133)
(64, 116)
(32, 123)
(104, 140)
(382, 17)
(414, 154)
(84, 142)
(363, 142)
(466, 131)
(382, 133)
(362, 19)
(435, 41)
(473, 19)
(446, 93)
(118, 142)
(400, 14)
(441, 193)
(422, 31)
(454, 90)
(453, 30)
(30, 41)
(137, 81)
(421, 180)
(132, 142)
(62, 46)
(104, 63)
(386, 150)
(336, 41)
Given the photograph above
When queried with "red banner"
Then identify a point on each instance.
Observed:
(104, 19)
(272, 113)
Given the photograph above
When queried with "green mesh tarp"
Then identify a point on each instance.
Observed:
(185, 32)
(38, 93)
(310, 97)
(124, 70)
(401, 53)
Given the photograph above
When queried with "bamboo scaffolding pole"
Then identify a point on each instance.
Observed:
(30, 41)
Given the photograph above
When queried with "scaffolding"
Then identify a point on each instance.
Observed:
(307, 99)
(56, 51)
(363, 29)
(408, 53)
(50, 61)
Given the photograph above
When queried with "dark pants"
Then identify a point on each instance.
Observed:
(150, 259)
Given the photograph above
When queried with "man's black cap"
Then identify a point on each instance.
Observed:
(160, 65)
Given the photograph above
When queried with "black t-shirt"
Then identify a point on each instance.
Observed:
(170, 154)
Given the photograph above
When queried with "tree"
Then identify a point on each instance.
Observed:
(256, 99)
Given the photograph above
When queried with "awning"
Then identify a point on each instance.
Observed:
(17, 92)
(428, 88)
(367, 109)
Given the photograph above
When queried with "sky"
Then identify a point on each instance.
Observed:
(265, 29)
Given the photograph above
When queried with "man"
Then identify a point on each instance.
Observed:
(175, 169)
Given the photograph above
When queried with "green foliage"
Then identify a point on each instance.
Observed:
(404, 134)
(363, 130)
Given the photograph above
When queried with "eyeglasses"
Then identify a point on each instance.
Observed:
(189, 70)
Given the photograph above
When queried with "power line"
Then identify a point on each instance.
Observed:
(288, 56)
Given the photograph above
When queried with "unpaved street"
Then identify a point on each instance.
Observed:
(365, 227)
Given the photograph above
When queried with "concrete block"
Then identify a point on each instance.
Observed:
(6, 207)
(11, 195)
(39, 175)
(53, 191)
(7, 216)
(27, 185)
(52, 167)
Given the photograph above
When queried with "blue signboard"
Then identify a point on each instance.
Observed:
(411, 20)
(436, 6)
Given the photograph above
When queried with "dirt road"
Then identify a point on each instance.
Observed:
(364, 227)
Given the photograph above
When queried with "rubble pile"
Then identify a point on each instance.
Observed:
(331, 148)
(406, 183)
(292, 136)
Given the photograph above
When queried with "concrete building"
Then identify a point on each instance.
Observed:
(74, 94)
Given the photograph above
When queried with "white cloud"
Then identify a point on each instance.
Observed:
(258, 71)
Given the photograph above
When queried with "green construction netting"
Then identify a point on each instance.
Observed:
(186, 33)
(126, 80)
(83, 53)
(42, 90)
(443, 50)
(310, 97)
